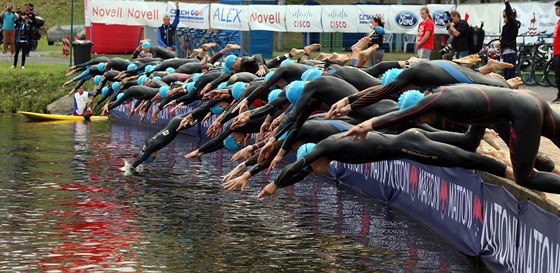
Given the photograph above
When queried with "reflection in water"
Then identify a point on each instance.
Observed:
(65, 207)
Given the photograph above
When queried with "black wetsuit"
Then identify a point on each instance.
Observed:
(174, 63)
(117, 64)
(83, 66)
(414, 144)
(530, 117)
(138, 92)
(289, 73)
(427, 75)
(354, 76)
(158, 52)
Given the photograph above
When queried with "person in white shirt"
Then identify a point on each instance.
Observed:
(82, 100)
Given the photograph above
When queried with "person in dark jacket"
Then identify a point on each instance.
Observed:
(508, 39)
(166, 32)
(23, 36)
(376, 34)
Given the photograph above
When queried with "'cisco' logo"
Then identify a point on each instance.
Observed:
(406, 19)
(439, 18)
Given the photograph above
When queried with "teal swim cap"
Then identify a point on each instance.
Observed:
(222, 85)
(274, 94)
(196, 76)
(131, 67)
(311, 74)
(163, 91)
(104, 91)
(225, 69)
(170, 70)
(190, 87)
(146, 45)
(100, 66)
(409, 98)
(120, 95)
(216, 109)
(304, 149)
(156, 78)
(228, 62)
(149, 68)
(286, 62)
(390, 75)
(293, 91)
(97, 80)
(115, 86)
(142, 79)
(150, 159)
(231, 144)
(237, 89)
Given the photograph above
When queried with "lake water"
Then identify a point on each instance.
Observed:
(66, 207)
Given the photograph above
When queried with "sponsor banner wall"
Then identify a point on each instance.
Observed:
(404, 19)
(267, 17)
(128, 13)
(303, 18)
(337, 18)
(229, 17)
(535, 17)
(191, 15)
(439, 16)
(87, 12)
(367, 12)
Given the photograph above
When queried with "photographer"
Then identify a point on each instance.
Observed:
(8, 30)
(508, 39)
(23, 36)
(459, 30)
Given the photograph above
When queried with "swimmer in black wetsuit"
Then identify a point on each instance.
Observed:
(146, 50)
(414, 144)
(81, 67)
(529, 115)
(90, 72)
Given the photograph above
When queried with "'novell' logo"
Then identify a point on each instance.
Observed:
(406, 19)
(439, 17)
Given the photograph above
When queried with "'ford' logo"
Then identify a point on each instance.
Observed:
(439, 18)
(406, 19)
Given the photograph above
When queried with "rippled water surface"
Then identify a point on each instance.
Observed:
(66, 207)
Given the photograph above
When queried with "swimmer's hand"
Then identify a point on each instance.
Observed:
(155, 115)
(268, 190)
(175, 91)
(177, 107)
(193, 154)
(156, 98)
(233, 172)
(340, 108)
(275, 162)
(239, 181)
(184, 122)
(243, 154)
(266, 150)
(359, 131)
(261, 72)
(241, 120)
(241, 106)
(169, 104)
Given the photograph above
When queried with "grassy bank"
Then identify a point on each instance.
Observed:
(31, 89)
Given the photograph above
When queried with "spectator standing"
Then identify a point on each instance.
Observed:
(376, 35)
(23, 36)
(18, 12)
(556, 51)
(508, 39)
(166, 33)
(28, 13)
(8, 30)
(425, 37)
(459, 29)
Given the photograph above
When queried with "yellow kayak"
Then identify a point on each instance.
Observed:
(47, 117)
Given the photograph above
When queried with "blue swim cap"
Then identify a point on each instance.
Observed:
(115, 86)
(156, 78)
(196, 76)
(390, 75)
(409, 98)
(222, 85)
(304, 149)
(149, 68)
(311, 74)
(231, 144)
(142, 79)
(100, 66)
(216, 109)
(120, 95)
(96, 80)
(274, 94)
(225, 69)
(150, 159)
(228, 62)
(163, 91)
(146, 45)
(190, 87)
(267, 77)
(236, 89)
(293, 91)
(170, 70)
(286, 62)
(104, 91)
(131, 67)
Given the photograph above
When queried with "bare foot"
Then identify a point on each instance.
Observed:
(323, 56)
(195, 52)
(497, 65)
(233, 46)
(310, 48)
(360, 44)
(369, 51)
(542, 195)
(208, 45)
(515, 82)
(296, 52)
(340, 59)
(414, 60)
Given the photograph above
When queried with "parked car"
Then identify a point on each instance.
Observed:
(55, 33)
